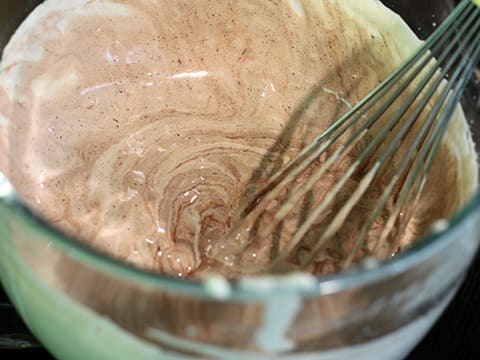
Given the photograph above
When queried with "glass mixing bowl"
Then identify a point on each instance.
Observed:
(110, 310)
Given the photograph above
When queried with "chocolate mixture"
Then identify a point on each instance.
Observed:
(141, 127)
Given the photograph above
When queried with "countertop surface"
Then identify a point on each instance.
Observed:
(456, 335)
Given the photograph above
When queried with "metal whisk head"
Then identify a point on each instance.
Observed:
(410, 110)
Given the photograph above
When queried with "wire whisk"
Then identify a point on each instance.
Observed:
(402, 121)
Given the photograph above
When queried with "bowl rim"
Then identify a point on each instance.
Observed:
(259, 286)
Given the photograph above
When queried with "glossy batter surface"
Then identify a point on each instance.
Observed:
(140, 126)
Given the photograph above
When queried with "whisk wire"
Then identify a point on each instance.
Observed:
(337, 130)
(453, 48)
(369, 177)
(294, 167)
(431, 143)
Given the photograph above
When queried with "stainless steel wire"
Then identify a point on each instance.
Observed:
(452, 53)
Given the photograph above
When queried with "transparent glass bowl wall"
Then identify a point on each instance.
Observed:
(81, 304)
